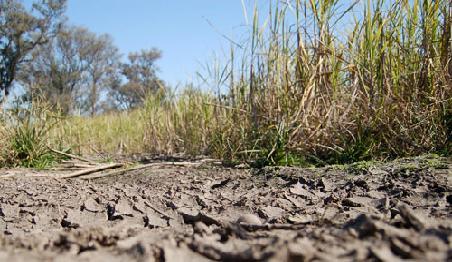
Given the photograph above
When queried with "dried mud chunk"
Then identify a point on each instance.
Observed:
(45, 220)
(249, 219)
(298, 189)
(140, 206)
(383, 253)
(301, 250)
(127, 243)
(301, 219)
(376, 194)
(382, 203)
(132, 247)
(221, 183)
(124, 208)
(356, 201)
(181, 254)
(66, 243)
(325, 184)
(330, 213)
(65, 223)
(363, 225)
(284, 203)
(9, 211)
(403, 249)
(271, 213)
(191, 216)
(449, 200)
(232, 250)
(3, 225)
(201, 228)
(297, 202)
(91, 205)
(152, 220)
(361, 182)
(410, 218)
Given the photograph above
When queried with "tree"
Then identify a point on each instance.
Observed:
(141, 74)
(72, 69)
(21, 31)
(102, 59)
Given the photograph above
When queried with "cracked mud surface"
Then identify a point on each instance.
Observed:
(386, 212)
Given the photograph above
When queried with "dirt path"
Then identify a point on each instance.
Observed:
(384, 212)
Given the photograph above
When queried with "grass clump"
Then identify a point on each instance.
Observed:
(26, 138)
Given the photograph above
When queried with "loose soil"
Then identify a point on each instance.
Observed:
(378, 212)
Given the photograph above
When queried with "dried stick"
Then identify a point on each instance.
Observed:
(140, 167)
(92, 170)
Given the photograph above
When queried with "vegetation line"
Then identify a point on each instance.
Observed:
(313, 83)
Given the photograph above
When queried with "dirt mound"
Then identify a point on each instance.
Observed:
(383, 212)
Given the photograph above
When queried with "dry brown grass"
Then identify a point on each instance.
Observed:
(303, 89)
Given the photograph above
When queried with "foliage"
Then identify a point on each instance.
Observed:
(79, 72)
(141, 74)
(21, 31)
(71, 70)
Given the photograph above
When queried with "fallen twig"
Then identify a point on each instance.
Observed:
(111, 173)
(140, 167)
(92, 170)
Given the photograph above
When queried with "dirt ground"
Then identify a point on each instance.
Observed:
(377, 212)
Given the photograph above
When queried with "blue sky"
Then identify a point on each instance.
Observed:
(179, 28)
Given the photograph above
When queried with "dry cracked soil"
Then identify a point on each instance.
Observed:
(363, 212)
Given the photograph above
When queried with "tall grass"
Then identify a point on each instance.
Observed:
(313, 91)
(118, 133)
(316, 81)
(167, 124)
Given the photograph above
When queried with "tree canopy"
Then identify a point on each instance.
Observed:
(22, 30)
